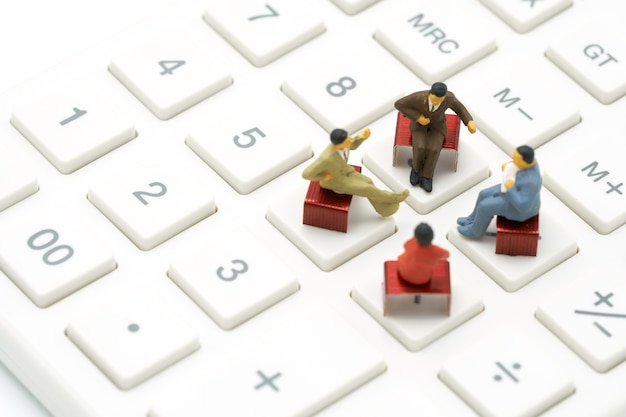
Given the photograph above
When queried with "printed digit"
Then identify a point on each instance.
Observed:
(77, 113)
(234, 272)
(343, 85)
(272, 13)
(47, 257)
(251, 139)
(170, 66)
(161, 192)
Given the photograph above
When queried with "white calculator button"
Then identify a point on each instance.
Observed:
(352, 7)
(447, 183)
(329, 248)
(512, 108)
(594, 56)
(416, 325)
(250, 148)
(556, 244)
(433, 41)
(524, 15)
(507, 376)
(344, 90)
(270, 377)
(590, 181)
(17, 182)
(52, 254)
(233, 277)
(150, 203)
(590, 316)
(170, 72)
(263, 31)
(132, 337)
(73, 125)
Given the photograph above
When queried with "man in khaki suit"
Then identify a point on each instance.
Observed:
(334, 173)
(427, 109)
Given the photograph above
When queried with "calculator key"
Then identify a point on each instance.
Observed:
(170, 72)
(524, 15)
(152, 201)
(513, 109)
(590, 180)
(271, 378)
(264, 31)
(589, 316)
(329, 248)
(595, 57)
(435, 41)
(417, 322)
(73, 125)
(352, 7)
(447, 183)
(506, 376)
(17, 182)
(345, 91)
(233, 277)
(132, 336)
(556, 244)
(52, 254)
(249, 148)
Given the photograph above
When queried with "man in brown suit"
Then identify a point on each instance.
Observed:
(427, 109)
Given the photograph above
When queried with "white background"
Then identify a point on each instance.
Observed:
(35, 35)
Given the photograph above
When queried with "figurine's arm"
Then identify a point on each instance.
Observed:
(523, 195)
(357, 140)
(463, 114)
(317, 171)
(407, 106)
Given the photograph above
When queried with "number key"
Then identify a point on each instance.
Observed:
(50, 255)
(264, 30)
(150, 204)
(345, 90)
(233, 277)
(249, 151)
(72, 125)
(170, 72)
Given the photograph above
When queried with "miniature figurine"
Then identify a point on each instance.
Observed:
(420, 256)
(334, 173)
(426, 109)
(519, 202)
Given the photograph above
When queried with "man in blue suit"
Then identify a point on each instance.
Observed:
(517, 198)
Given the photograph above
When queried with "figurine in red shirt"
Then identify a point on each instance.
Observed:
(416, 264)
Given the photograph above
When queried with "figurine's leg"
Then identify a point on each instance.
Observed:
(484, 212)
(419, 152)
(384, 202)
(483, 194)
(432, 149)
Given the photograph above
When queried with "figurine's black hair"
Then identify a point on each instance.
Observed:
(528, 153)
(337, 136)
(439, 89)
(424, 234)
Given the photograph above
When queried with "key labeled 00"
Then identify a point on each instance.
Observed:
(56, 254)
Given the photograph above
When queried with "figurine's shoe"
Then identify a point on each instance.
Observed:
(468, 232)
(415, 178)
(463, 221)
(427, 184)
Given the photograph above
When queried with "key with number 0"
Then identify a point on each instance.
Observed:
(52, 254)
